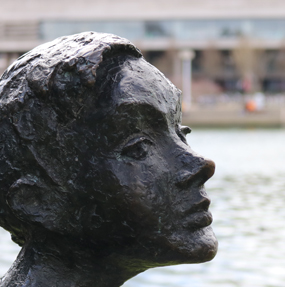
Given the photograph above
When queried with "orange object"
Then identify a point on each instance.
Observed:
(250, 106)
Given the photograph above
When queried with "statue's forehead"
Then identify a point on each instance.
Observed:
(141, 83)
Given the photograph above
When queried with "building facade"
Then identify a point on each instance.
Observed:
(239, 45)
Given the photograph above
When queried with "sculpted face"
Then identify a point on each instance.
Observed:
(97, 180)
(151, 178)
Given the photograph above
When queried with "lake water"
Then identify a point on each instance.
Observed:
(248, 205)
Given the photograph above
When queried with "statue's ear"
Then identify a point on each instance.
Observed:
(32, 201)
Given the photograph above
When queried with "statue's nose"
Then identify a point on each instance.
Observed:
(208, 169)
(197, 171)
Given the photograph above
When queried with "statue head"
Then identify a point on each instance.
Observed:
(93, 151)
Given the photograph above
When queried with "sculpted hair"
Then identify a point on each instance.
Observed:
(42, 96)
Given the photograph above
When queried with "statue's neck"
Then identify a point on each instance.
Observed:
(39, 266)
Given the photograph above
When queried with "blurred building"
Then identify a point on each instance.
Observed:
(239, 45)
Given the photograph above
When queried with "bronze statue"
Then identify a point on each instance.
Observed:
(97, 180)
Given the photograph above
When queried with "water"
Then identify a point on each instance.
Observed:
(248, 199)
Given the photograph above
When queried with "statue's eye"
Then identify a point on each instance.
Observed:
(182, 131)
(137, 148)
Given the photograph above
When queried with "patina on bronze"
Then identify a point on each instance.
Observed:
(97, 180)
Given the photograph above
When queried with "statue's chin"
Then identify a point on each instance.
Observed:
(185, 246)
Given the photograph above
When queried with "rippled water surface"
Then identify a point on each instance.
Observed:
(248, 199)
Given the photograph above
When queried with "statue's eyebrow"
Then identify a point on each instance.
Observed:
(149, 112)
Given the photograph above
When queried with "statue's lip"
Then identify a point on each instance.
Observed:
(197, 220)
(198, 215)
(199, 206)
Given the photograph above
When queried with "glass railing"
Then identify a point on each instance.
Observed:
(174, 29)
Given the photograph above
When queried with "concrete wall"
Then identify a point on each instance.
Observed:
(136, 9)
(234, 115)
